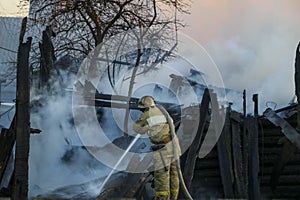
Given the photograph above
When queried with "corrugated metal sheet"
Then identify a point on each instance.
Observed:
(9, 34)
(9, 39)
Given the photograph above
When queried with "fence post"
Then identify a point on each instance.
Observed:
(20, 189)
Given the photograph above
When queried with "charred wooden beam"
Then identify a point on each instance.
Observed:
(194, 148)
(108, 104)
(47, 55)
(108, 100)
(254, 189)
(245, 148)
(22, 123)
(35, 131)
(239, 182)
(297, 84)
(286, 128)
(115, 98)
(174, 110)
(133, 100)
(286, 108)
(224, 156)
(88, 93)
(119, 102)
(244, 103)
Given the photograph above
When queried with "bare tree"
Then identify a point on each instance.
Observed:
(81, 25)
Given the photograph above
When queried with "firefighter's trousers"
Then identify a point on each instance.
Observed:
(166, 180)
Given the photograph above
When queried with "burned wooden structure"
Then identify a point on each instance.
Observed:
(255, 157)
(262, 163)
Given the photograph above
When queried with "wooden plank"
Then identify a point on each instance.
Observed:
(245, 152)
(194, 148)
(297, 83)
(286, 128)
(253, 189)
(240, 189)
(245, 144)
(244, 103)
(224, 160)
(22, 123)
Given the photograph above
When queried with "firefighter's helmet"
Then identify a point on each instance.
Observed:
(146, 102)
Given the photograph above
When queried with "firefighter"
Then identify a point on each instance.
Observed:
(154, 123)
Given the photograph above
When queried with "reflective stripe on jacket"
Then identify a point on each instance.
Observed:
(154, 123)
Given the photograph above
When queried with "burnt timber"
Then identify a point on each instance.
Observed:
(225, 171)
(278, 159)
(256, 157)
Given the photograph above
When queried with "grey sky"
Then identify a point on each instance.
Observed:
(9, 8)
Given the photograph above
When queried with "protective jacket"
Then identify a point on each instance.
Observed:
(154, 123)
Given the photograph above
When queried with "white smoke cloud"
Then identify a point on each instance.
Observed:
(57, 159)
(253, 43)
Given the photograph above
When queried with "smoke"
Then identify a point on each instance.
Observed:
(253, 43)
(57, 158)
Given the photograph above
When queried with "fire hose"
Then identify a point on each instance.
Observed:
(177, 160)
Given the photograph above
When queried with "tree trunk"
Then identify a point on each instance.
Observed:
(131, 85)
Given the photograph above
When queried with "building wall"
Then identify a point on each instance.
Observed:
(9, 34)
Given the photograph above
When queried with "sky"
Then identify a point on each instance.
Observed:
(9, 8)
(252, 42)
